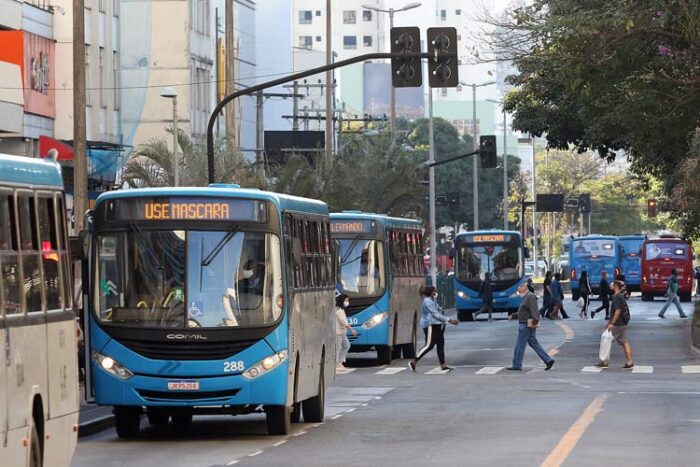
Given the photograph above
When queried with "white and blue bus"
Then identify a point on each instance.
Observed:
(216, 300)
(38, 362)
(632, 260)
(496, 252)
(381, 270)
(594, 254)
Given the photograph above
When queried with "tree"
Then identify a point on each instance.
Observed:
(614, 75)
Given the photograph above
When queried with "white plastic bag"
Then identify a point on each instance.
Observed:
(605, 346)
(581, 302)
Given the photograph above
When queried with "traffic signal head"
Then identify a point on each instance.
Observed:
(406, 71)
(443, 65)
(487, 152)
(651, 208)
(585, 203)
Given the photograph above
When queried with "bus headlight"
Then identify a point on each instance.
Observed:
(374, 320)
(111, 366)
(462, 295)
(265, 365)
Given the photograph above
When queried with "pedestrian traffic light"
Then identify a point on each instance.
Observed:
(406, 71)
(585, 203)
(443, 65)
(651, 208)
(487, 152)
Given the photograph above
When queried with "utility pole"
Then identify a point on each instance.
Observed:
(229, 73)
(505, 173)
(475, 165)
(431, 197)
(393, 108)
(329, 82)
(534, 211)
(295, 108)
(259, 128)
(80, 202)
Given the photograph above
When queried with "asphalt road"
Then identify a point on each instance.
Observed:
(479, 414)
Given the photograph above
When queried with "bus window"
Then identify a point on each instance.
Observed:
(29, 253)
(362, 270)
(9, 259)
(65, 259)
(49, 253)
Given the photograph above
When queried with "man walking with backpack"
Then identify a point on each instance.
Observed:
(604, 296)
(672, 296)
(619, 318)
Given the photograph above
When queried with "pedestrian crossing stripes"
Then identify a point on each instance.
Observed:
(591, 369)
(691, 369)
(492, 369)
(341, 399)
(392, 370)
(489, 370)
(643, 369)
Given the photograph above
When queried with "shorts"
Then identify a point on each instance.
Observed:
(620, 334)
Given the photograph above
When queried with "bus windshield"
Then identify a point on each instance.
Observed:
(587, 248)
(362, 267)
(502, 260)
(183, 278)
(666, 250)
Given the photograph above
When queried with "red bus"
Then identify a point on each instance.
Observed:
(659, 257)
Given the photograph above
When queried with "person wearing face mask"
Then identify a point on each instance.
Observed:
(253, 277)
(528, 319)
(433, 323)
(342, 302)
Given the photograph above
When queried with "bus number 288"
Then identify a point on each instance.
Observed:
(234, 366)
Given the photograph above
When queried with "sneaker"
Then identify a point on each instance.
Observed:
(339, 368)
(412, 366)
(661, 316)
(592, 314)
(514, 368)
(628, 366)
(684, 316)
(447, 369)
(602, 365)
(549, 366)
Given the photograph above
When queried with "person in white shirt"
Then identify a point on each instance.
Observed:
(342, 301)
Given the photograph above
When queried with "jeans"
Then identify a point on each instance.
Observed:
(672, 298)
(546, 304)
(528, 336)
(342, 346)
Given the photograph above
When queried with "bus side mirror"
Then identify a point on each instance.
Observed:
(526, 252)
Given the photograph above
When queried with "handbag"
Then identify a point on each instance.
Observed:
(580, 303)
(605, 346)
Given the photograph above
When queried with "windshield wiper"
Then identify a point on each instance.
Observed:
(219, 246)
(344, 259)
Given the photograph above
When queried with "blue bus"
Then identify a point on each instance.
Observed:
(39, 401)
(632, 261)
(594, 254)
(215, 300)
(497, 252)
(381, 270)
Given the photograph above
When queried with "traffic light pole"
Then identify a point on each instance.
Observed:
(451, 159)
(289, 78)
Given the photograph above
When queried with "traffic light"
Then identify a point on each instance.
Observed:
(651, 208)
(585, 203)
(487, 152)
(406, 72)
(453, 199)
(443, 66)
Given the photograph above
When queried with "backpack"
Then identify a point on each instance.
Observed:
(625, 315)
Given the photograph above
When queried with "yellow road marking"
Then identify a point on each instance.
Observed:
(568, 442)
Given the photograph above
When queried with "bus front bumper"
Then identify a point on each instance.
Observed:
(367, 339)
(500, 304)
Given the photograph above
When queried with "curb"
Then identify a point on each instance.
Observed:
(95, 426)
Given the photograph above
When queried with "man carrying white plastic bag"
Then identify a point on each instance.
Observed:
(616, 329)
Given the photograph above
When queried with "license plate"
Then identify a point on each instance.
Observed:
(187, 385)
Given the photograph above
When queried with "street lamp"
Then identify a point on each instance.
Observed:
(391, 12)
(505, 165)
(475, 175)
(170, 93)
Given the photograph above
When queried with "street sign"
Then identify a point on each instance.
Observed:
(443, 66)
(550, 203)
(571, 203)
(406, 72)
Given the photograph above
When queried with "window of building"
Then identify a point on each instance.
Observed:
(318, 12)
(443, 15)
(349, 42)
(88, 81)
(366, 15)
(200, 93)
(318, 38)
(101, 69)
(200, 16)
(305, 42)
(458, 12)
(116, 6)
(367, 41)
(305, 17)
(115, 79)
(102, 5)
(349, 17)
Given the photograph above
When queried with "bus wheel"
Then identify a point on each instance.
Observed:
(35, 457)
(279, 419)
(647, 297)
(314, 407)
(465, 315)
(384, 354)
(127, 421)
(296, 412)
(396, 352)
(157, 419)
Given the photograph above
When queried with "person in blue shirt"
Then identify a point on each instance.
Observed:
(672, 296)
(433, 323)
(557, 294)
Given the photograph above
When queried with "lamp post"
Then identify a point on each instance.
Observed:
(170, 93)
(505, 165)
(391, 12)
(475, 166)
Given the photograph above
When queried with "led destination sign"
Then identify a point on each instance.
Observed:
(352, 226)
(185, 209)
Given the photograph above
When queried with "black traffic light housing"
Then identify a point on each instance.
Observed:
(443, 66)
(406, 72)
(585, 203)
(487, 152)
(651, 207)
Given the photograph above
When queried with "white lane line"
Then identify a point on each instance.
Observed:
(336, 417)
(279, 443)
(591, 369)
(302, 432)
(642, 369)
(489, 370)
(345, 371)
(350, 410)
(365, 405)
(690, 368)
(232, 462)
(390, 371)
(253, 454)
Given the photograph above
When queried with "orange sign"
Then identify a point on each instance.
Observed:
(187, 211)
(488, 238)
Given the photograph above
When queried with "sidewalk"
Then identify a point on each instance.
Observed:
(93, 418)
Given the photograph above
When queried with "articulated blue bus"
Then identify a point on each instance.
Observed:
(497, 252)
(214, 300)
(381, 270)
(594, 254)
(632, 261)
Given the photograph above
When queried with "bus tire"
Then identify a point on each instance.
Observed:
(396, 352)
(647, 297)
(384, 354)
(465, 315)
(278, 419)
(314, 407)
(157, 419)
(296, 412)
(35, 448)
(127, 421)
